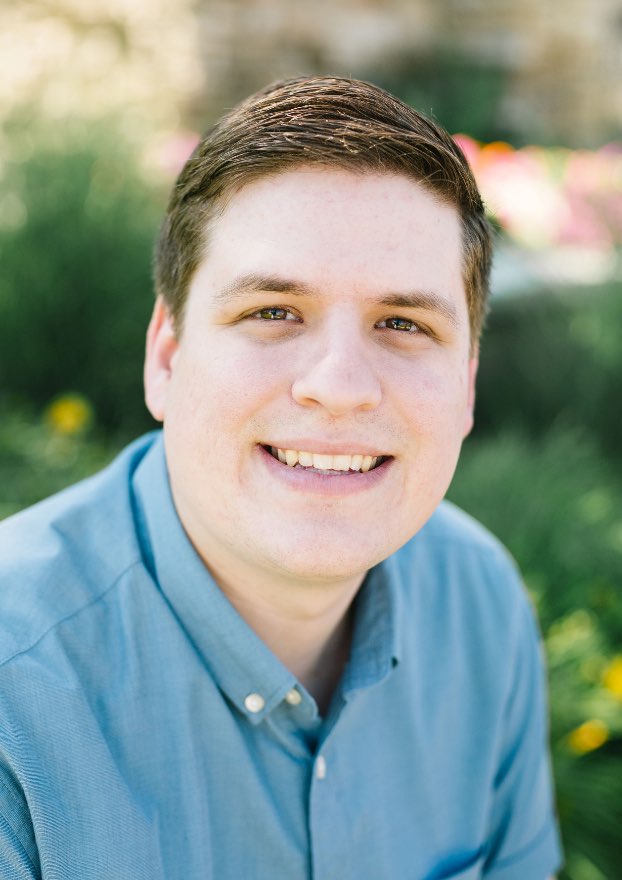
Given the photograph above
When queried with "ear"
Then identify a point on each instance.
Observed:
(162, 347)
(470, 405)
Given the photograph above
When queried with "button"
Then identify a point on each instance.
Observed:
(254, 702)
(293, 697)
(320, 767)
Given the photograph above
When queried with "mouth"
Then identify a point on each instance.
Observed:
(329, 465)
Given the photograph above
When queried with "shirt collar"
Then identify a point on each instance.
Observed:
(376, 645)
(240, 662)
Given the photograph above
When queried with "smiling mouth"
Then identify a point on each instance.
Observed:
(326, 464)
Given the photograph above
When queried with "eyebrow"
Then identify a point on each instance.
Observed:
(415, 299)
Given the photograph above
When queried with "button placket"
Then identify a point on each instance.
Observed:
(330, 836)
(320, 767)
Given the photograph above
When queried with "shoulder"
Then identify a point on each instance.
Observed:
(454, 569)
(62, 554)
(453, 528)
(451, 536)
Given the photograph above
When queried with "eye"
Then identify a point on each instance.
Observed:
(402, 324)
(274, 313)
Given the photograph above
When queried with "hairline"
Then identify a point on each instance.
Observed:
(329, 121)
(219, 203)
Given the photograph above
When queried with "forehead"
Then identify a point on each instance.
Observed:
(338, 229)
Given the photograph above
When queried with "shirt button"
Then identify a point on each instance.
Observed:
(293, 697)
(320, 767)
(254, 702)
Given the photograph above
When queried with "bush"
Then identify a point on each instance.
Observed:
(554, 360)
(558, 507)
(76, 231)
(42, 455)
(464, 93)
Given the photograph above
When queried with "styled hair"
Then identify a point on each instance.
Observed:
(318, 120)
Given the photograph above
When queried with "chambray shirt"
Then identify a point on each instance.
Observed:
(147, 732)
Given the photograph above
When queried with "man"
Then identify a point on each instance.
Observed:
(258, 645)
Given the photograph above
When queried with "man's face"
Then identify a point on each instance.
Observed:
(329, 318)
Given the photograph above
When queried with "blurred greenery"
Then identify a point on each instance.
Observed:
(557, 505)
(450, 85)
(38, 458)
(542, 469)
(552, 359)
(77, 222)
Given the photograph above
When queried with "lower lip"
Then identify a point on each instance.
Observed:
(303, 480)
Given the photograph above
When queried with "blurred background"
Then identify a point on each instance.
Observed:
(100, 104)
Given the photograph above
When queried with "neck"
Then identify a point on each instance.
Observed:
(306, 622)
(307, 626)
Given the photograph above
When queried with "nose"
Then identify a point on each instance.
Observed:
(338, 375)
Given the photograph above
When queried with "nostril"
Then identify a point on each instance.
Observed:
(338, 391)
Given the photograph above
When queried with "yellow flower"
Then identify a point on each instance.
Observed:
(69, 414)
(612, 677)
(588, 736)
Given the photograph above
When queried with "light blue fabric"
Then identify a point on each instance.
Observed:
(127, 750)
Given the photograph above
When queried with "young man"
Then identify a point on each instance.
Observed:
(258, 645)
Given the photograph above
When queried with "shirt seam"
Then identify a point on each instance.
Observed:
(71, 614)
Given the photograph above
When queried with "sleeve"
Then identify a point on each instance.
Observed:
(19, 859)
(524, 840)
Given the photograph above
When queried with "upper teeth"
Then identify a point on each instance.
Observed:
(357, 462)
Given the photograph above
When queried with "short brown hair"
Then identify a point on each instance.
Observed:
(318, 120)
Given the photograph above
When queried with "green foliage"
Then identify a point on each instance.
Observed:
(37, 459)
(557, 506)
(543, 472)
(554, 360)
(77, 222)
(463, 94)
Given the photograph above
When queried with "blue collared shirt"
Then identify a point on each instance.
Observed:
(147, 732)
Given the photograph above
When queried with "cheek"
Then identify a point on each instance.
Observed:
(434, 401)
(218, 396)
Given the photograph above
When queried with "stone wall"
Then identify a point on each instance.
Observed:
(183, 62)
(561, 60)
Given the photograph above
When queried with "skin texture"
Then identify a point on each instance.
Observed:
(309, 357)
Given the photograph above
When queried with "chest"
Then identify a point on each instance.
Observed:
(185, 787)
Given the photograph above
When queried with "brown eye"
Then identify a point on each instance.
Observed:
(402, 324)
(274, 313)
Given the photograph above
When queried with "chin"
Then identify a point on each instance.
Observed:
(328, 561)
